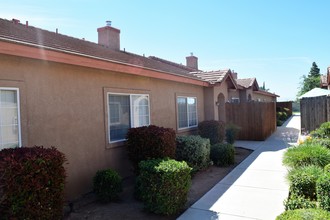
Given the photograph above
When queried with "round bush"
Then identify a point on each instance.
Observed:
(304, 214)
(303, 181)
(150, 142)
(320, 141)
(107, 185)
(195, 150)
(213, 130)
(323, 131)
(223, 154)
(307, 154)
(327, 168)
(323, 191)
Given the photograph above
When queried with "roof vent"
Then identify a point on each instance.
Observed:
(108, 23)
(15, 21)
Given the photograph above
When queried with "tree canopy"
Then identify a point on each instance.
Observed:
(311, 81)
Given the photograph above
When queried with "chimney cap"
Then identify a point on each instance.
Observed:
(108, 23)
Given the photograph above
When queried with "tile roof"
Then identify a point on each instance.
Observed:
(246, 83)
(212, 77)
(23, 34)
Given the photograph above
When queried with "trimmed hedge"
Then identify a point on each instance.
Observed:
(306, 154)
(323, 191)
(150, 142)
(163, 185)
(31, 183)
(304, 214)
(303, 181)
(223, 154)
(107, 185)
(213, 130)
(298, 202)
(195, 150)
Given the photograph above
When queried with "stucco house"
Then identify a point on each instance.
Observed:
(81, 97)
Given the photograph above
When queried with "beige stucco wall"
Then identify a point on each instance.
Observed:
(64, 106)
(263, 98)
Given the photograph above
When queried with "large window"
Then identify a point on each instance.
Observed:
(9, 118)
(127, 111)
(187, 112)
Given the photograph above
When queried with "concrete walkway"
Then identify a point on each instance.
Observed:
(257, 187)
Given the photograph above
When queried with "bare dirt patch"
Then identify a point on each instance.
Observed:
(129, 208)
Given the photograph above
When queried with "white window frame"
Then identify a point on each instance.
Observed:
(131, 111)
(18, 112)
(187, 97)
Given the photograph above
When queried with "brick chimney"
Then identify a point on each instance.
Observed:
(109, 36)
(234, 74)
(192, 61)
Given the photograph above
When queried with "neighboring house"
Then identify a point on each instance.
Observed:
(81, 97)
(249, 90)
(325, 80)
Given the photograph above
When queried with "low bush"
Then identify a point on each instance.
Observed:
(150, 142)
(164, 185)
(304, 214)
(223, 154)
(303, 181)
(213, 130)
(327, 168)
(195, 150)
(107, 185)
(232, 133)
(298, 202)
(31, 183)
(320, 141)
(323, 191)
(323, 131)
(307, 154)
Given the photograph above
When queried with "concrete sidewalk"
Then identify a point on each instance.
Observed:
(257, 187)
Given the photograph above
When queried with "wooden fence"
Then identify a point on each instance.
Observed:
(314, 111)
(257, 120)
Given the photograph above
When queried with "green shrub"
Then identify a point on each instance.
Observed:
(213, 130)
(31, 183)
(232, 133)
(304, 214)
(323, 131)
(150, 142)
(327, 168)
(303, 181)
(320, 141)
(107, 185)
(298, 202)
(279, 122)
(323, 191)
(164, 185)
(307, 154)
(223, 154)
(195, 150)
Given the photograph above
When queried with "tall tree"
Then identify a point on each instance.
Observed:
(311, 81)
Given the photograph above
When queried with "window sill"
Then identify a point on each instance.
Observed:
(115, 145)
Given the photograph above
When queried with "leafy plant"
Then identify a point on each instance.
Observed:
(31, 183)
(303, 181)
(323, 191)
(306, 154)
(304, 214)
(323, 131)
(150, 142)
(298, 202)
(213, 130)
(325, 142)
(195, 150)
(164, 185)
(223, 154)
(232, 133)
(107, 185)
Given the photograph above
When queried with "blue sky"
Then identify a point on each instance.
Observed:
(275, 41)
